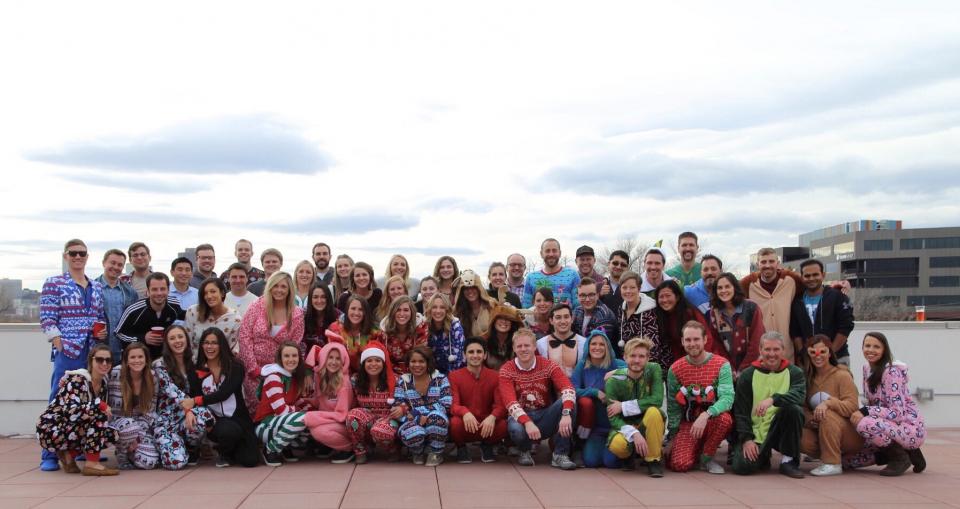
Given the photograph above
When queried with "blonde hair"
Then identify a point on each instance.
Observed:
(268, 296)
(634, 343)
(447, 317)
(340, 286)
(406, 273)
(313, 270)
(390, 326)
(385, 302)
(607, 360)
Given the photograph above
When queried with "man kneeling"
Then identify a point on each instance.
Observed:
(768, 411)
(634, 395)
(540, 401)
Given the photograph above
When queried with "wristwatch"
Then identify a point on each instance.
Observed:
(565, 412)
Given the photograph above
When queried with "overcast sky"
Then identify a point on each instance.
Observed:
(438, 128)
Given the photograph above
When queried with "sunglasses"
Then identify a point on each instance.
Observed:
(618, 264)
(102, 360)
(75, 254)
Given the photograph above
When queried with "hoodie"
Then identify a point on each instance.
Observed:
(643, 323)
(278, 392)
(786, 385)
(589, 380)
(326, 409)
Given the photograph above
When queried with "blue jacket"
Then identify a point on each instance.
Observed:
(588, 380)
(698, 296)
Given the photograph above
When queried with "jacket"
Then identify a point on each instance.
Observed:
(139, 318)
(744, 336)
(325, 409)
(775, 307)
(257, 347)
(834, 316)
(68, 311)
(635, 397)
(786, 385)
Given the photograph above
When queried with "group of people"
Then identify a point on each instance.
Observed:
(657, 368)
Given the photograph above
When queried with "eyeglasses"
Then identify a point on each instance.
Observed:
(75, 254)
(102, 360)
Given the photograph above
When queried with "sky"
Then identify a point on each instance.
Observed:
(470, 129)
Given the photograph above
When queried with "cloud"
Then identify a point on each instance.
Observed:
(662, 177)
(425, 250)
(355, 224)
(115, 216)
(42, 245)
(223, 145)
(169, 185)
(909, 70)
(458, 204)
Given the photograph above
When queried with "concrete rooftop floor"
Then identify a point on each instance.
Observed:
(378, 484)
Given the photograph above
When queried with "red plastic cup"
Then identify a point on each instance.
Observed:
(921, 313)
(98, 327)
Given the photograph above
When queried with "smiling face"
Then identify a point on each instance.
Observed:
(396, 289)
(617, 265)
(524, 347)
(447, 271)
(206, 260)
(597, 349)
(872, 349)
(334, 363)
(318, 299)
(76, 256)
(398, 266)
(771, 353)
(725, 290)
(355, 313)
(210, 346)
(418, 364)
(709, 271)
(588, 296)
(280, 291)
(238, 281)
(361, 278)
(212, 295)
(688, 249)
(550, 252)
(290, 358)
(438, 311)
(475, 355)
(693, 341)
(158, 292)
(243, 251)
(561, 320)
(497, 276)
(502, 325)
(304, 275)
(271, 263)
(177, 341)
(653, 265)
(768, 266)
(321, 257)
(344, 266)
(637, 359)
(472, 294)
(140, 258)
(403, 315)
(812, 277)
(427, 289)
(373, 366)
(182, 273)
(819, 354)
(113, 266)
(516, 265)
(666, 299)
(136, 360)
(630, 291)
(542, 304)
(585, 264)
(102, 363)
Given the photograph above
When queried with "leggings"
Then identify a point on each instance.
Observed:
(433, 434)
(278, 431)
(686, 449)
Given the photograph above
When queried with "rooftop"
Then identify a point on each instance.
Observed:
(319, 484)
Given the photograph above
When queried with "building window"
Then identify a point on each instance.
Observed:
(891, 282)
(942, 243)
(820, 252)
(911, 244)
(944, 262)
(944, 281)
(891, 266)
(844, 248)
(933, 300)
(878, 245)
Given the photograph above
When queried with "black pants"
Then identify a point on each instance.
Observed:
(784, 436)
(235, 441)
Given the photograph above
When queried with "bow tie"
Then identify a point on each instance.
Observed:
(569, 343)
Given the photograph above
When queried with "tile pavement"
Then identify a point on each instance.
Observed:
(318, 484)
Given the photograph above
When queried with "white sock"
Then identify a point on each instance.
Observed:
(785, 459)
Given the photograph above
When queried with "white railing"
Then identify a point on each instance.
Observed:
(932, 349)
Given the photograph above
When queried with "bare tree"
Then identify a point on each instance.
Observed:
(631, 245)
(869, 304)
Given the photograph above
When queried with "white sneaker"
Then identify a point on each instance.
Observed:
(827, 469)
(713, 467)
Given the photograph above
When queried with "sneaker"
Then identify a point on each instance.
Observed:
(272, 459)
(513, 451)
(288, 456)
(713, 467)
(525, 459)
(341, 457)
(563, 462)
(323, 452)
(193, 457)
(827, 469)
(790, 470)
(361, 458)
(419, 459)
(434, 459)
(655, 469)
(222, 461)
(486, 453)
(49, 464)
(463, 455)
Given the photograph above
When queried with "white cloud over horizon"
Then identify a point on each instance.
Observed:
(476, 129)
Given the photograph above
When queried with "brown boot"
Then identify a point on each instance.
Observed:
(67, 463)
(98, 470)
(897, 460)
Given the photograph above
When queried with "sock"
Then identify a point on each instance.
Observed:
(786, 459)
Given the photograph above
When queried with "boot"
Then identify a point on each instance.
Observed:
(897, 460)
(917, 459)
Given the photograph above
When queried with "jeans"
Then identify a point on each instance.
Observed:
(548, 420)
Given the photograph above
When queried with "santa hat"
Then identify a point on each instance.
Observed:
(378, 350)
